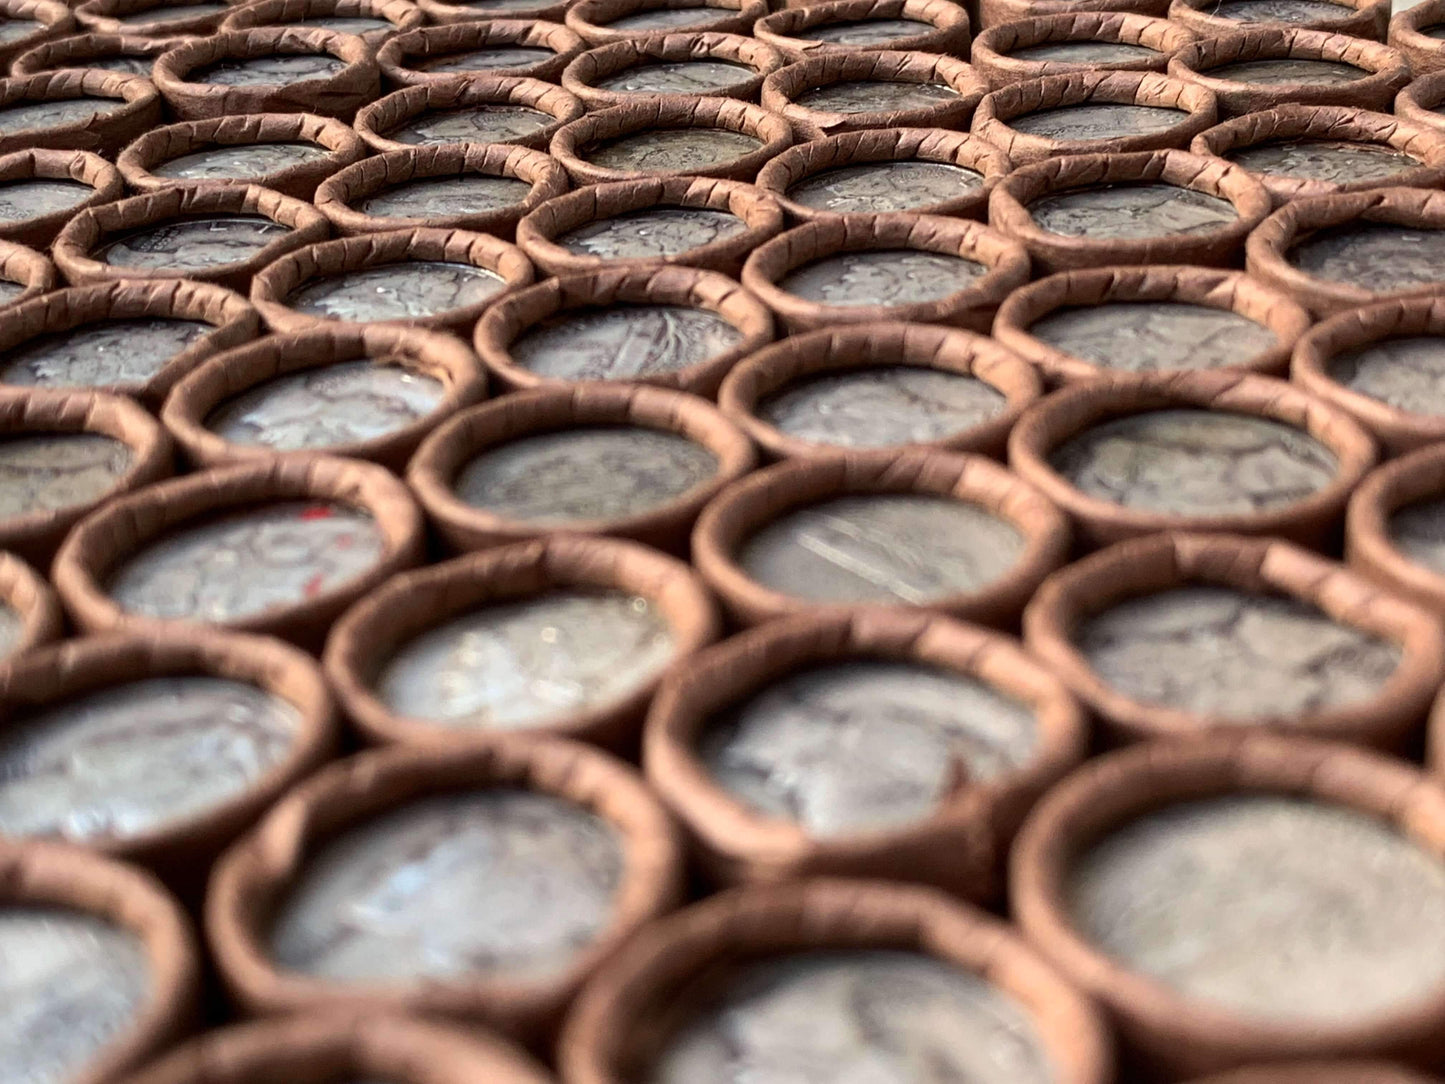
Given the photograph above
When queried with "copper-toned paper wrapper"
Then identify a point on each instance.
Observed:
(1105, 320)
(456, 274)
(1365, 362)
(829, 93)
(221, 235)
(662, 137)
(1302, 150)
(525, 48)
(1322, 1072)
(258, 718)
(952, 533)
(1388, 533)
(85, 110)
(1279, 795)
(678, 65)
(1339, 251)
(439, 12)
(505, 791)
(691, 328)
(1183, 209)
(48, 18)
(696, 222)
(158, 548)
(1421, 101)
(1266, 67)
(343, 16)
(924, 830)
(314, 1049)
(687, 453)
(873, 389)
(1101, 112)
(70, 452)
(363, 392)
(129, 337)
(633, 1011)
(290, 153)
(399, 121)
(997, 12)
(208, 77)
(922, 268)
(622, 618)
(135, 991)
(34, 614)
(925, 26)
(49, 187)
(470, 186)
(941, 173)
(1075, 41)
(1387, 656)
(150, 18)
(1413, 33)
(1184, 481)
(127, 54)
(1356, 18)
(601, 22)
(24, 274)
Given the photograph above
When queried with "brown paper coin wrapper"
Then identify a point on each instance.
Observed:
(103, 133)
(997, 12)
(180, 850)
(82, 167)
(403, 59)
(1358, 18)
(994, 51)
(1267, 255)
(36, 412)
(230, 314)
(81, 51)
(442, 455)
(949, 22)
(630, 1008)
(370, 633)
(797, 164)
(1398, 430)
(1228, 291)
(25, 592)
(876, 346)
(783, 87)
(255, 875)
(1383, 70)
(959, 846)
(1008, 209)
(237, 371)
(1171, 1035)
(593, 19)
(338, 95)
(273, 286)
(26, 268)
(375, 122)
(401, 14)
(750, 504)
(606, 61)
(1424, 52)
(55, 20)
(76, 244)
(991, 121)
(438, 12)
(321, 1048)
(1257, 566)
(540, 233)
(1079, 407)
(162, 145)
(43, 874)
(973, 306)
(339, 196)
(573, 142)
(104, 540)
(513, 316)
(124, 17)
(1369, 544)
(1324, 123)
(1419, 101)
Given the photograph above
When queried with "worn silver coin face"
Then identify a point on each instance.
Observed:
(408, 289)
(46, 472)
(672, 150)
(57, 113)
(882, 277)
(1325, 160)
(475, 124)
(191, 244)
(240, 161)
(678, 77)
(103, 354)
(1378, 255)
(880, 187)
(280, 70)
(1152, 336)
(1131, 211)
(623, 342)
